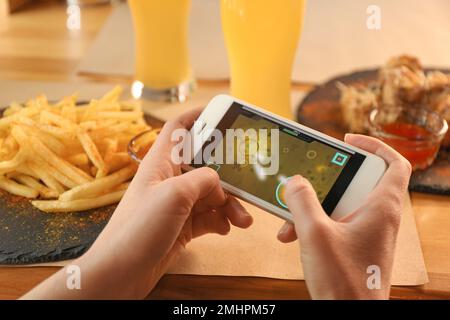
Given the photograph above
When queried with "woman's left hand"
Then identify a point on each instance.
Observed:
(160, 213)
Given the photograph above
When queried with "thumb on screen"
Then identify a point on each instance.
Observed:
(303, 203)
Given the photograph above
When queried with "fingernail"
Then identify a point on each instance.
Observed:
(247, 215)
(283, 229)
(295, 179)
(238, 207)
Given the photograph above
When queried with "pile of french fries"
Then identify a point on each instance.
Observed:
(69, 157)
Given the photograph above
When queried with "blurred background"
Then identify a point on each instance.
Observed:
(335, 38)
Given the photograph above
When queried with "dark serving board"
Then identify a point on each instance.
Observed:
(320, 110)
(28, 235)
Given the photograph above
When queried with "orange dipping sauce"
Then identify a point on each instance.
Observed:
(414, 142)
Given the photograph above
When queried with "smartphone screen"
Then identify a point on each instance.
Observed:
(330, 168)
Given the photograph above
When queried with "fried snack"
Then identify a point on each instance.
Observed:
(401, 81)
(356, 105)
(438, 85)
(69, 157)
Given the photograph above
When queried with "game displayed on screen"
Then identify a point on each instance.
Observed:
(321, 163)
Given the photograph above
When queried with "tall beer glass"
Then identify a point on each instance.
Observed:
(163, 70)
(261, 38)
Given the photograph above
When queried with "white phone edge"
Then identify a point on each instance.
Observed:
(357, 191)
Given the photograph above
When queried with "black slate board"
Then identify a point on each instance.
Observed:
(320, 110)
(28, 235)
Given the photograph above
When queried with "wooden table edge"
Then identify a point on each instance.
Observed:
(15, 281)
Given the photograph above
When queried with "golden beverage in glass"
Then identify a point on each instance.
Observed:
(261, 38)
(162, 70)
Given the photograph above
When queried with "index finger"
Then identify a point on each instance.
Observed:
(163, 144)
(159, 155)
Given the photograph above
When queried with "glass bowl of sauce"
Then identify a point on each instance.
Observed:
(413, 131)
(141, 143)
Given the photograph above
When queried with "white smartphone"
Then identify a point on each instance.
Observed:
(342, 175)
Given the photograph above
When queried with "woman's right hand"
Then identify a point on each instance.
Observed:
(336, 255)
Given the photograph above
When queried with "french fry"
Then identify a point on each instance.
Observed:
(122, 186)
(88, 125)
(122, 115)
(67, 101)
(57, 132)
(20, 136)
(89, 112)
(9, 145)
(118, 160)
(103, 133)
(121, 157)
(23, 169)
(5, 122)
(51, 118)
(117, 165)
(113, 95)
(78, 159)
(98, 186)
(12, 109)
(78, 205)
(17, 189)
(147, 139)
(92, 152)
(61, 178)
(46, 178)
(69, 112)
(31, 182)
(40, 102)
(110, 150)
(109, 106)
(10, 165)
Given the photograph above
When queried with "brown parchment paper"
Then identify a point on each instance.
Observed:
(257, 252)
(251, 252)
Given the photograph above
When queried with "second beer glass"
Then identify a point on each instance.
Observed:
(261, 38)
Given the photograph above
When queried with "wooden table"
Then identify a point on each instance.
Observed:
(35, 44)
